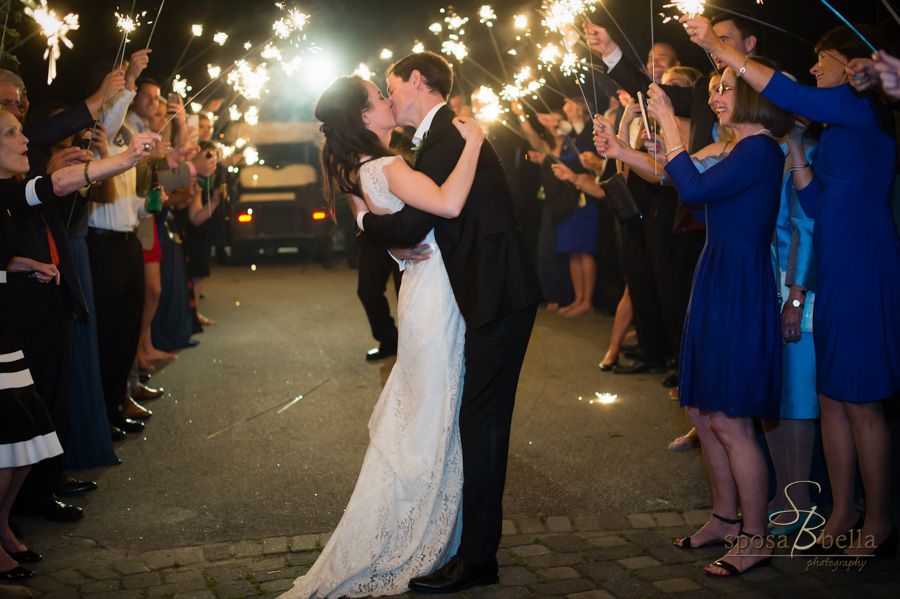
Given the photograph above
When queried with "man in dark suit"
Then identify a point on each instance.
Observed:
(497, 290)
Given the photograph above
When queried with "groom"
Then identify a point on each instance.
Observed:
(497, 290)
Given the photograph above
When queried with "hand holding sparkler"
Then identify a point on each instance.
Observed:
(205, 163)
(592, 162)
(598, 39)
(136, 65)
(862, 73)
(112, 84)
(701, 32)
(888, 67)
(564, 173)
(601, 123)
(607, 145)
(658, 104)
(141, 144)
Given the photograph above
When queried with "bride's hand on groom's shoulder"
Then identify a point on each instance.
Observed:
(469, 128)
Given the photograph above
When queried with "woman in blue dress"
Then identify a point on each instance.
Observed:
(730, 367)
(857, 254)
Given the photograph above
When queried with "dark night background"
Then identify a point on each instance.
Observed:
(354, 31)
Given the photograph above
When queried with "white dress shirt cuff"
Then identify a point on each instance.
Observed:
(613, 58)
(400, 263)
(30, 194)
(359, 219)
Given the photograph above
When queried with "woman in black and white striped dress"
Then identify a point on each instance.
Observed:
(26, 431)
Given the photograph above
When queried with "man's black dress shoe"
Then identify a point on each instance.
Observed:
(117, 434)
(17, 573)
(632, 354)
(70, 487)
(25, 557)
(640, 367)
(128, 425)
(55, 511)
(380, 353)
(670, 381)
(455, 576)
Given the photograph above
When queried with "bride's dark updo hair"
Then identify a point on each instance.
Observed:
(347, 139)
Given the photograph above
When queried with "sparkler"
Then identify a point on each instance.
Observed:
(486, 104)
(54, 29)
(155, 21)
(220, 38)
(852, 28)
(386, 54)
(487, 18)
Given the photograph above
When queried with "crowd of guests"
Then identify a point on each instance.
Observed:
(756, 241)
(105, 242)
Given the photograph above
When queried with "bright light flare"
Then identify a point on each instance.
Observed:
(213, 71)
(125, 23)
(486, 105)
(418, 47)
(386, 54)
(251, 156)
(455, 22)
(487, 15)
(248, 81)
(251, 117)
(549, 54)
(220, 38)
(604, 398)
(520, 22)
(197, 29)
(455, 48)
(435, 28)
(54, 29)
(363, 71)
(294, 22)
(235, 115)
(180, 86)
(688, 7)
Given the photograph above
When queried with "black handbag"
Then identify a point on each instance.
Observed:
(620, 199)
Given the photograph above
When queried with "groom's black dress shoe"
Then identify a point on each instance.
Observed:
(380, 353)
(455, 576)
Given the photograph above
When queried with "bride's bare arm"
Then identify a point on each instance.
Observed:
(419, 191)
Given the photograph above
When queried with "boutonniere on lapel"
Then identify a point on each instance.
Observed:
(421, 143)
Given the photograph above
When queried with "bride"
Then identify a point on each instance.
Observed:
(404, 517)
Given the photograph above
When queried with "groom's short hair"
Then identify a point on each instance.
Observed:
(434, 68)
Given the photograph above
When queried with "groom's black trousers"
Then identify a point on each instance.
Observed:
(494, 356)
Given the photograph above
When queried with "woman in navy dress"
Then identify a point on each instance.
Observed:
(730, 367)
(857, 254)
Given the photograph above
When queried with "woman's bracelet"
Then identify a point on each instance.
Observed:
(799, 167)
(743, 68)
(675, 149)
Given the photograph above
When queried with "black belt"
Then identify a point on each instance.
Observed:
(126, 235)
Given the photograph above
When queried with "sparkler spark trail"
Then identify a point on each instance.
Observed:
(54, 29)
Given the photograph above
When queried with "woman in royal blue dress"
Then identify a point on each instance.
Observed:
(857, 255)
(730, 367)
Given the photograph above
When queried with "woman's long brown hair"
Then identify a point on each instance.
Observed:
(347, 139)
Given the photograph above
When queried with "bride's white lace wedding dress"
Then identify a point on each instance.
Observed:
(404, 518)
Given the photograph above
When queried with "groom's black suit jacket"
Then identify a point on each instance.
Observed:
(483, 248)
